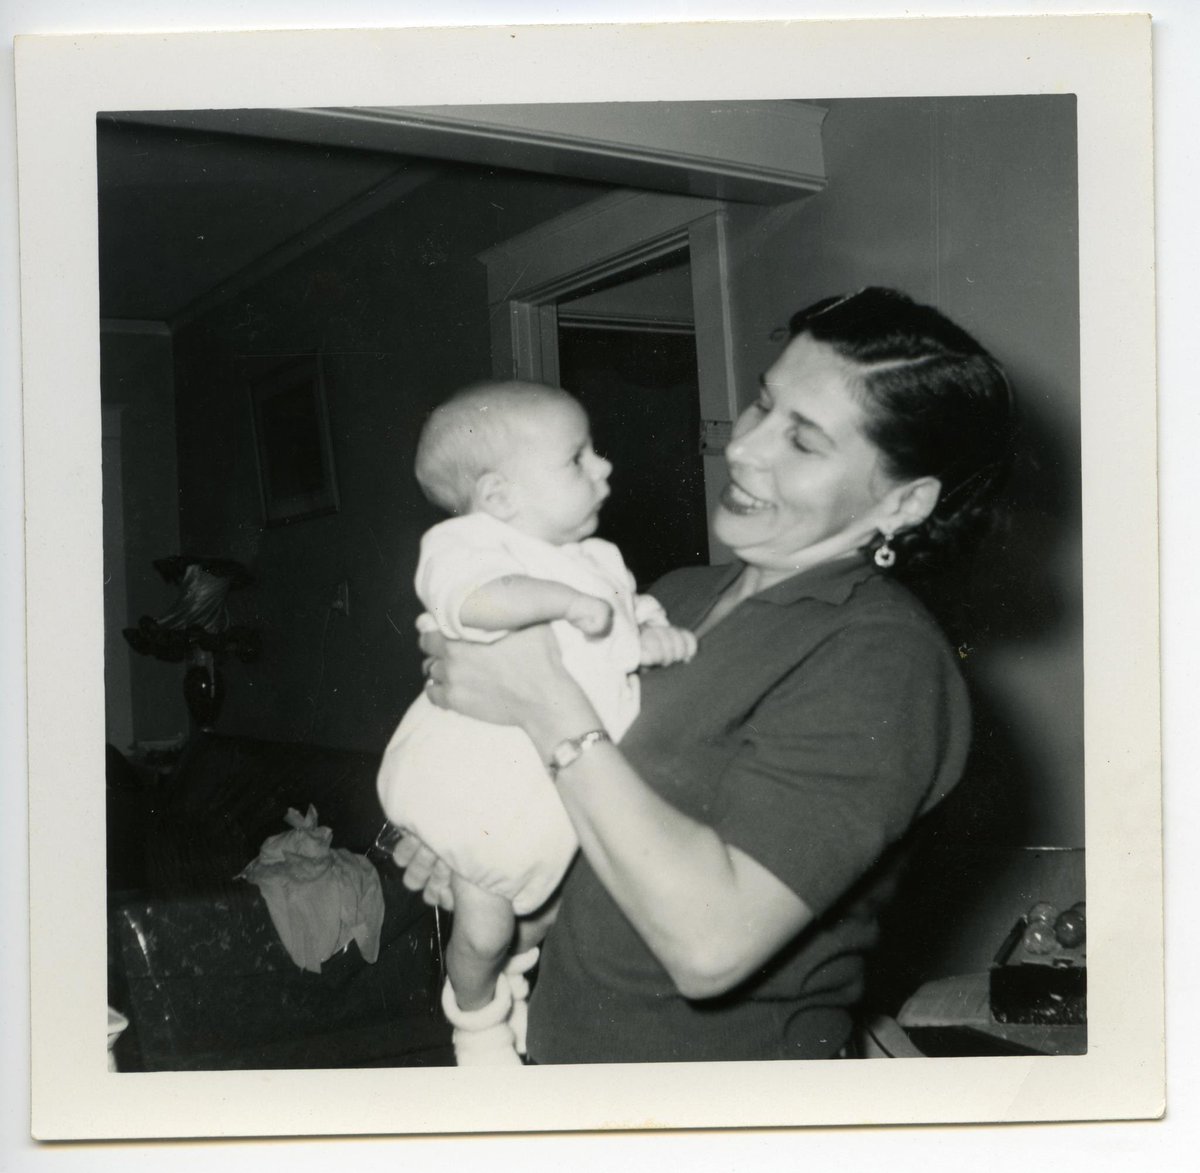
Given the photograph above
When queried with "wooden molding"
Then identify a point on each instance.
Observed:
(530, 274)
(760, 152)
(763, 152)
(607, 236)
(632, 322)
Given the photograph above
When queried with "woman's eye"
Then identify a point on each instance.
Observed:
(797, 443)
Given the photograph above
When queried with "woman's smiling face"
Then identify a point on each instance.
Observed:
(806, 484)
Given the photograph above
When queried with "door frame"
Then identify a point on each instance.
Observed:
(530, 274)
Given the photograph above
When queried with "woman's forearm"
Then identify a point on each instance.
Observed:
(707, 911)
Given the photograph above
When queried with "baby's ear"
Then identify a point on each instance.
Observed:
(493, 494)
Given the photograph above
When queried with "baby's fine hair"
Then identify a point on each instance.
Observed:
(470, 434)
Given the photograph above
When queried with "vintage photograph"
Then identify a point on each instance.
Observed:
(850, 325)
(595, 586)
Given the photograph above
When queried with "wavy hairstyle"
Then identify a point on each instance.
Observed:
(937, 404)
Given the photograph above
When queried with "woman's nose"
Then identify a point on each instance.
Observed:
(603, 468)
(746, 443)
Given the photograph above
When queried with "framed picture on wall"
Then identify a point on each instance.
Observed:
(296, 475)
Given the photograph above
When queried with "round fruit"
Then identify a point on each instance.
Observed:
(1071, 929)
(1042, 911)
(1039, 938)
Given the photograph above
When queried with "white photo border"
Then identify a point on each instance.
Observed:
(61, 84)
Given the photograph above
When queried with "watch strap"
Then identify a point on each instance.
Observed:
(571, 749)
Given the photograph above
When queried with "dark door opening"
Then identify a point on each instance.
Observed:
(640, 388)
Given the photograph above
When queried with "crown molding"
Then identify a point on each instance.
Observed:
(763, 152)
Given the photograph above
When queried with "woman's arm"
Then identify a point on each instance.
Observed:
(709, 913)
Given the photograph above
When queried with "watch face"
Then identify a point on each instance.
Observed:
(568, 751)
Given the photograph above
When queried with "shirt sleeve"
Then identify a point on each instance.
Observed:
(457, 558)
(842, 756)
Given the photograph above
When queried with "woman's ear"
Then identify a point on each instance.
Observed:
(910, 504)
(493, 494)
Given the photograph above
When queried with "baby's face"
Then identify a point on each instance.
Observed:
(557, 481)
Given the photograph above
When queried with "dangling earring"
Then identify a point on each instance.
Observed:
(885, 556)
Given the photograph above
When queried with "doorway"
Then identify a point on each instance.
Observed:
(627, 351)
(631, 292)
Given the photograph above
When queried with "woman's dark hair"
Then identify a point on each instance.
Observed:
(937, 404)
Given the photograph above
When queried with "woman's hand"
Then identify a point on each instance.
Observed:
(424, 872)
(518, 680)
(658, 864)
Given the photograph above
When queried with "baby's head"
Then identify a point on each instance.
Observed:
(519, 451)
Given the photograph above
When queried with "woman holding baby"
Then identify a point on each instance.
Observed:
(722, 903)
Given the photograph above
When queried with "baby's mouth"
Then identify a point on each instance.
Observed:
(737, 500)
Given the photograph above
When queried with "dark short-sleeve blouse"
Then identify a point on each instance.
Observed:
(817, 722)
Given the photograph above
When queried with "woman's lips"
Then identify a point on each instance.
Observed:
(737, 500)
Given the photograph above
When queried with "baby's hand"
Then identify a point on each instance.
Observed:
(591, 615)
(663, 645)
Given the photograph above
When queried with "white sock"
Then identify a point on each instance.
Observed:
(483, 1037)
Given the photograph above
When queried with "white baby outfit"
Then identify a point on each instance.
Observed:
(478, 794)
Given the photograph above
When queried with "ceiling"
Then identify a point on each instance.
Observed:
(182, 212)
(194, 205)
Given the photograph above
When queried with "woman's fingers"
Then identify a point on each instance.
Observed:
(417, 861)
(404, 851)
(424, 871)
(497, 682)
(438, 891)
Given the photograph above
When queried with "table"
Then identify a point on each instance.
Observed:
(952, 1016)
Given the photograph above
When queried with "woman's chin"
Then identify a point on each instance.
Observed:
(736, 528)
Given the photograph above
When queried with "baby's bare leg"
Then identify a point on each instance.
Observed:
(532, 929)
(480, 943)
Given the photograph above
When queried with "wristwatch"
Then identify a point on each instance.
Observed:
(572, 749)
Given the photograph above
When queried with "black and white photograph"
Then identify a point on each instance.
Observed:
(596, 587)
(922, 788)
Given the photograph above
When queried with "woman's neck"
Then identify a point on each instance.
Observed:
(756, 577)
(748, 582)
(752, 580)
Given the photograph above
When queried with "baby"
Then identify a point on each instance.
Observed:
(515, 463)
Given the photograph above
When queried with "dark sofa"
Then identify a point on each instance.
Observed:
(195, 962)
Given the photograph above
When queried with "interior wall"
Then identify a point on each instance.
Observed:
(397, 307)
(137, 380)
(969, 204)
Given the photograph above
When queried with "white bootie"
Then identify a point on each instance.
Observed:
(516, 969)
(483, 1037)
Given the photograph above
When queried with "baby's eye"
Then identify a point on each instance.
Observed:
(797, 443)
